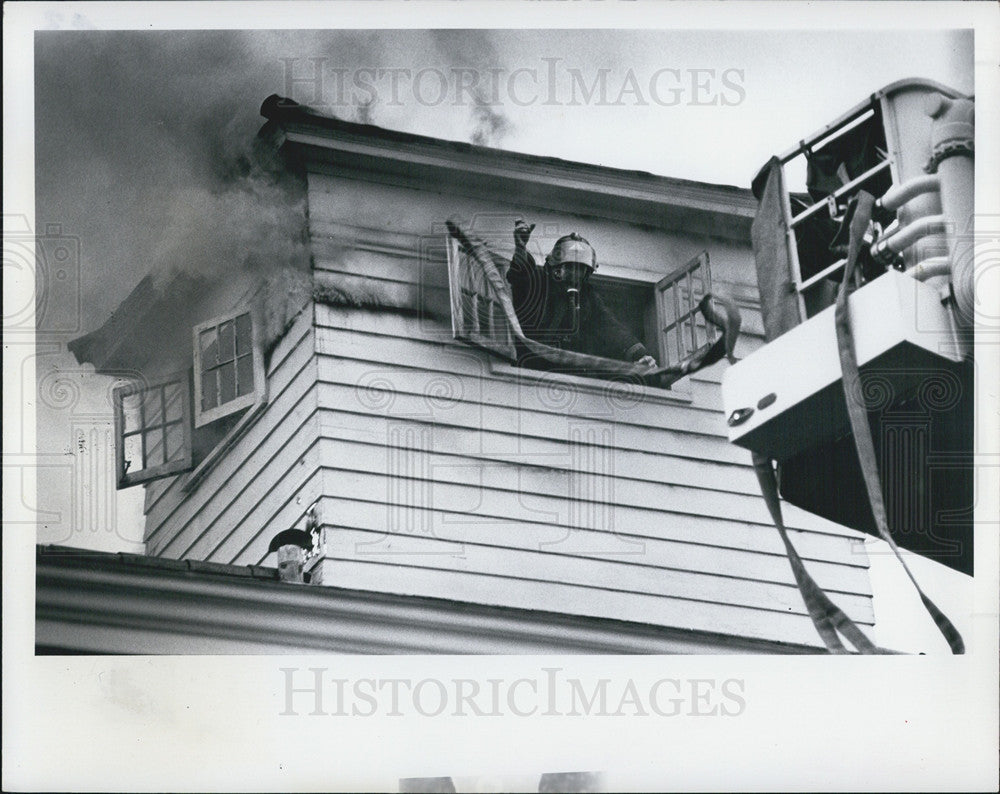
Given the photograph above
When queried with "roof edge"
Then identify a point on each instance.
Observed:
(182, 606)
(285, 112)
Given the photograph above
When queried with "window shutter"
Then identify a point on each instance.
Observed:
(476, 315)
(152, 430)
(682, 328)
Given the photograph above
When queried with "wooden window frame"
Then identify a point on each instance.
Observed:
(475, 320)
(202, 416)
(476, 317)
(126, 478)
(680, 312)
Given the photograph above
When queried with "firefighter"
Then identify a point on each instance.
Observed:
(558, 306)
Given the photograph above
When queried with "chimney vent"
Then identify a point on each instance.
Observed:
(291, 545)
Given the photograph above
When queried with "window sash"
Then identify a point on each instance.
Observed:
(158, 429)
(476, 316)
(683, 329)
(227, 354)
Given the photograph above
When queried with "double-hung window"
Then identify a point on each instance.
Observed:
(663, 315)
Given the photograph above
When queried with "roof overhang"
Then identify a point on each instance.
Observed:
(369, 153)
(96, 602)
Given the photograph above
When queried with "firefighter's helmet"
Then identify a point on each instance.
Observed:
(572, 249)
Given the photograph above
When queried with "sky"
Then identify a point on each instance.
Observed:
(141, 137)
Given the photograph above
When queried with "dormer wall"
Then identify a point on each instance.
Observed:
(435, 470)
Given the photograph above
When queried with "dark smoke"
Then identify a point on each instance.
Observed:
(491, 125)
(144, 141)
(475, 50)
(145, 149)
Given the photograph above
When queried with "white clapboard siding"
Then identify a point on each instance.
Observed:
(417, 529)
(518, 506)
(648, 578)
(636, 522)
(381, 354)
(675, 527)
(191, 524)
(490, 500)
(566, 458)
(438, 471)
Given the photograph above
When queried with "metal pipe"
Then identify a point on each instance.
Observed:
(952, 146)
(930, 268)
(908, 235)
(898, 195)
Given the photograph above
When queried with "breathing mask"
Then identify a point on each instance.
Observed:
(570, 264)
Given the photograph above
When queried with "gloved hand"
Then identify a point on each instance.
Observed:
(647, 361)
(522, 232)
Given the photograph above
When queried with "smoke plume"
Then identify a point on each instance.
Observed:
(474, 50)
(145, 141)
(491, 125)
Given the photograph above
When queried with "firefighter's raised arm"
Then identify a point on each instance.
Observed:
(523, 274)
(522, 233)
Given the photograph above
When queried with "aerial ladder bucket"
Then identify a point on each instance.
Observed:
(910, 303)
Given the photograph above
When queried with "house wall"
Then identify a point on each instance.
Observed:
(267, 479)
(447, 474)
(438, 471)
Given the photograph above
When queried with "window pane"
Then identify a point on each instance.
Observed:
(244, 335)
(244, 375)
(209, 342)
(174, 404)
(154, 448)
(130, 412)
(209, 390)
(227, 382)
(133, 452)
(175, 441)
(153, 407)
(226, 342)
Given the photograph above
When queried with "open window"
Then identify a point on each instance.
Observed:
(477, 316)
(228, 366)
(682, 328)
(665, 317)
(152, 430)
(189, 419)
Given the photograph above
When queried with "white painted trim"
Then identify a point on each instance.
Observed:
(563, 175)
(141, 476)
(246, 421)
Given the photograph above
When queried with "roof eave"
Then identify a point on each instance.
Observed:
(373, 153)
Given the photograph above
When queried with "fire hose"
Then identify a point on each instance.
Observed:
(720, 312)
